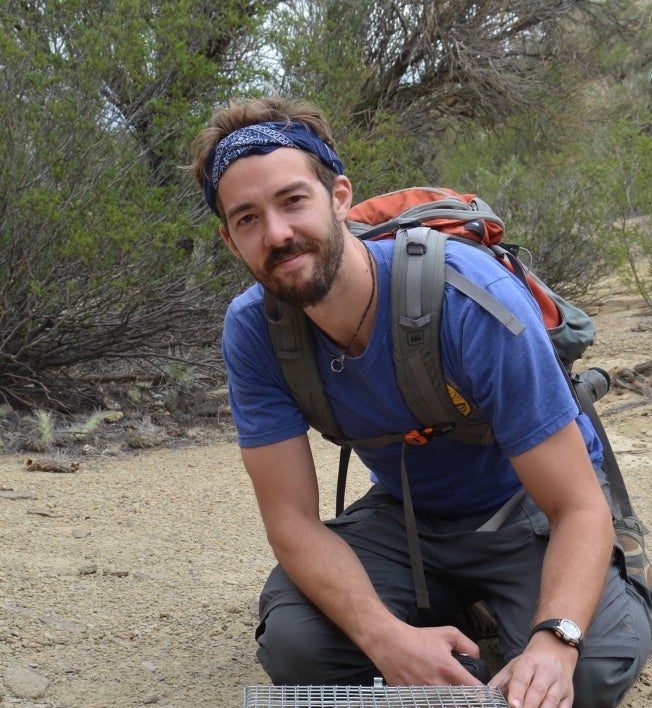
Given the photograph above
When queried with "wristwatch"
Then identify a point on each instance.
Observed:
(564, 629)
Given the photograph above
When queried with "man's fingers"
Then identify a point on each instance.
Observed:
(529, 690)
(461, 644)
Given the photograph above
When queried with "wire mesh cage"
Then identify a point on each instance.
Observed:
(373, 697)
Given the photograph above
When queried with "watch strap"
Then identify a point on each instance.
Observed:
(555, 626)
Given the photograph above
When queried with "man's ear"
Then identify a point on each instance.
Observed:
(342, 197)
(224, 233)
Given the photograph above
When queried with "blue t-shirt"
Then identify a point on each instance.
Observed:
(514, 382)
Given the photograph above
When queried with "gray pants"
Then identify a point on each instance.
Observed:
(298, 645)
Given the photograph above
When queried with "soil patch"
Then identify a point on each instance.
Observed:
(130, 576)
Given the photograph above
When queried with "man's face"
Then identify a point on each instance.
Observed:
(283, 224)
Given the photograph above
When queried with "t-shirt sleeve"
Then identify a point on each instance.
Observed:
(262, 406)
(514, 380)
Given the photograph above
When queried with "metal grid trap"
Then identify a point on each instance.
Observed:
(373, 697)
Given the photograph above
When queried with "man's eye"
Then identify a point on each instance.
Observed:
(294, 199)
(246, 219)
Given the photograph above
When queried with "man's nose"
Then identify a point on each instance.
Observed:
(277, 230)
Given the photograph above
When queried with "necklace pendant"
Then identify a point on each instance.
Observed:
(337, 364)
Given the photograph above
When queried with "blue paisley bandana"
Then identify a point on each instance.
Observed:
(260, 139)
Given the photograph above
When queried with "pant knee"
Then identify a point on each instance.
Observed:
(299, 646)
(285, 652)
(617, 654)
(602, 682)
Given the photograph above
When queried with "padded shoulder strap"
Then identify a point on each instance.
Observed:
(293, 343)
(294, 346)
(418, 276)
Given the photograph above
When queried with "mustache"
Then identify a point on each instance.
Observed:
(293, 248)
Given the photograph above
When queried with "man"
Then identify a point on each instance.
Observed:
(340, 607)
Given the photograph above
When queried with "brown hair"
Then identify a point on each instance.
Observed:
(247, 111)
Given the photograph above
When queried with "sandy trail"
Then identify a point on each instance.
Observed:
(134, 580)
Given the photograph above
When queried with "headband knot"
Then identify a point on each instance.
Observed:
(260, 139)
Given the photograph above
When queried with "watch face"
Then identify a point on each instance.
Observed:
(570, 630)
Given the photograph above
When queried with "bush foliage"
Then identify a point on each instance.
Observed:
(106, 252)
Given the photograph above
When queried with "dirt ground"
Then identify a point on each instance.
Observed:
(133, 579)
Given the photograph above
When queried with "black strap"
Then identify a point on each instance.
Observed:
(414, 546)
(345, 456)
(622, 507)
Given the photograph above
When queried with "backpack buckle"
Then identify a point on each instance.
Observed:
(424, 435)
(417, 241)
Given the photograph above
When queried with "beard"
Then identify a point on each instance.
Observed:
(313, 291)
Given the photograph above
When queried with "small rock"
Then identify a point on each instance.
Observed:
(151, 698)
(51, 466)
(43, 511)
(147, 665)
(24, 683)
(89, 569)
(11, 494)
(81, 533)
(67, 625)
(118, 573)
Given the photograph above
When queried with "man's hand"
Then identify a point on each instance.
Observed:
(327, 571)
(423, 656)
(541, 677)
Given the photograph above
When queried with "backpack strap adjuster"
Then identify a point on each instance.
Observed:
(424, 435)
(417, 238)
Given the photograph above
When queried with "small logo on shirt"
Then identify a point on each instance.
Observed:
(459, 401)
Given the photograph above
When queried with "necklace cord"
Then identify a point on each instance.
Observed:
(337, 362)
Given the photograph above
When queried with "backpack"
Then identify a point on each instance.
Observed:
(421, 220)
